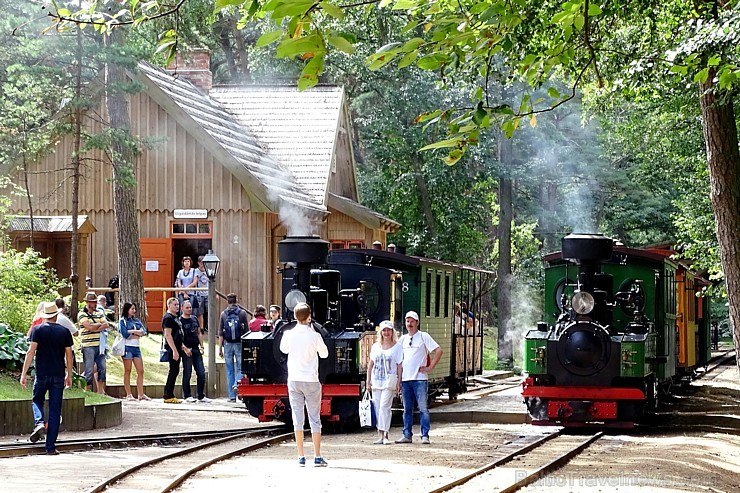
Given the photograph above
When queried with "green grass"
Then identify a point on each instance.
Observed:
(490, 348)
(155, 373)
(10, 389)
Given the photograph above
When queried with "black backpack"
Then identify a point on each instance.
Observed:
(233, 326)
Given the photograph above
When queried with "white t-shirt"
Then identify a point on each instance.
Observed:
(385, 365)
(415, 351)
(304, 346)
(65, 322)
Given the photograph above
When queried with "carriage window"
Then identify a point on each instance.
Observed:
(437, 294)
(447, 295)
(428, 309)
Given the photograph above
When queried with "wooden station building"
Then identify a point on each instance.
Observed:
(235, 170)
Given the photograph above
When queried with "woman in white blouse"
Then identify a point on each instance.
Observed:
(384, 370)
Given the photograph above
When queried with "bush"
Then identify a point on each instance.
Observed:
(13, 348)
(24, 282)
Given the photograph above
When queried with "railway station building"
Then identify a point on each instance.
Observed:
(233, 169)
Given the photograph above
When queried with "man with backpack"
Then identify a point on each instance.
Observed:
(233, 326)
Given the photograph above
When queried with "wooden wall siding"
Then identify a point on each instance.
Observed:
(342, 178)
(177, 174)
(437, 327)
(51, 187)
(342, 227)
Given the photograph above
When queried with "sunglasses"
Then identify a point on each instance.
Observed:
(411, 340)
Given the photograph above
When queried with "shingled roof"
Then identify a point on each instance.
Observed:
(298, 127)
(232, 143)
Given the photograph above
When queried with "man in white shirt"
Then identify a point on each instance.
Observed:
(304, 346)
(416, 346)
(63, 320)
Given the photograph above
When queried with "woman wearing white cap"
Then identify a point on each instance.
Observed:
(383, 376)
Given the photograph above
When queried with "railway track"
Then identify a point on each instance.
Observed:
(17, 450)
(723, 359)
(524, 462)
(168, 471)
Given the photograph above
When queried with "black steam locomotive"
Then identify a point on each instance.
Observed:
(350, 292)
(623, 324)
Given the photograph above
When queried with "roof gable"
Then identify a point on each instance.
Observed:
(265, 179)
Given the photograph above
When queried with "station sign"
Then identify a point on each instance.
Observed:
(190, 214)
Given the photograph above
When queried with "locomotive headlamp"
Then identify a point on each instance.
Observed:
(582, 303)
(294, 297)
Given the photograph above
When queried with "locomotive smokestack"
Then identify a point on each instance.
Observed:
(587, 251)
(305, 252)
(580, 247)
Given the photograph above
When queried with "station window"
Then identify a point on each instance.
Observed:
(191, 229)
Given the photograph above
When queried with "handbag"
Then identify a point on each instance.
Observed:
(119, 346)
(365, 411)
(164, 356)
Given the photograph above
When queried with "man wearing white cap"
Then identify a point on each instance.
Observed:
(51, 345)
(421, 354)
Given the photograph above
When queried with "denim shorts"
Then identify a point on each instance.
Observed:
(132, 352)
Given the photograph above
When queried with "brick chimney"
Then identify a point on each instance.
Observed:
(195, 66)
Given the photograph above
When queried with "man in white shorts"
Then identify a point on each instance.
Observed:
(304, 346)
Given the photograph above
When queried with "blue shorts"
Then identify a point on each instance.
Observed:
(132, 352)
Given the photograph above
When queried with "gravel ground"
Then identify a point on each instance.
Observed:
(642, 462)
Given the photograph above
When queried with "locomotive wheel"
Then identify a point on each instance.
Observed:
(254, 406)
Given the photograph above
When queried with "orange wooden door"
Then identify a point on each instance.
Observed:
(156, 265)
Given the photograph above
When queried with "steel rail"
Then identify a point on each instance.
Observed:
(199, 467)
(178, 453)
(719, 360)
(498, 462)
(16, 450)
(552, 465)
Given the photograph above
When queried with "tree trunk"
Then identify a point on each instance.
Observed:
(124, 185)
(426, 203)
(723, 158)
(505, 278)
(224, 27)
(28, 196)
(74, 275)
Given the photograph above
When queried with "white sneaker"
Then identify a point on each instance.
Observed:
(191, 399)
(204, 400)
(386, 441)
(379, 441)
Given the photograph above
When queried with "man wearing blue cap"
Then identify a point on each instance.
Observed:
(421, 354)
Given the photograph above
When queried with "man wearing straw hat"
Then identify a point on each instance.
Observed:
(51, 346)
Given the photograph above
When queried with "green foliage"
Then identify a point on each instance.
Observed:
(24, 282)
(13, 348)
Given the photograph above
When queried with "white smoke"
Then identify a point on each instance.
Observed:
(525, 313)
(296, 222)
